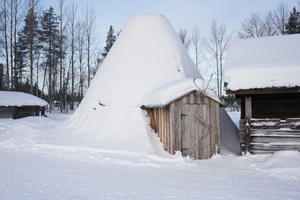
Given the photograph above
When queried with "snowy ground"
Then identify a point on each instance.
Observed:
(31, 168)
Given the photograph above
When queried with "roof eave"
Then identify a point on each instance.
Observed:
(169, 102)
(273, 90)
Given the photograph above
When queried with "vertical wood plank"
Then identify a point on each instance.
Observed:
(167, 128)
(179, 128)
(217, 125)
(171, 128)
(184, 100)
(192, 98)
(248, 107)
(198, 99)
(191, 126)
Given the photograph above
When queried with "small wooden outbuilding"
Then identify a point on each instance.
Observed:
(265, 74)
(187, 120)
(17, 105)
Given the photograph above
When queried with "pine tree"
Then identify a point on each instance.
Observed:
(110, 39)
(49, 35)
(28, 43)
(293, 25)
(20, 56)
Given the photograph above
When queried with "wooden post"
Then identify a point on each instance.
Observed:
(248, 107)
(248, 116)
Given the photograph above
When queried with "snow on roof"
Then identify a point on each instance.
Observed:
(176, 89)
(8, 98)
(146, 55)
(263, 63)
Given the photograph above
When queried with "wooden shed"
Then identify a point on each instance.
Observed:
(268, 84)
(17, 105)
(188, 121)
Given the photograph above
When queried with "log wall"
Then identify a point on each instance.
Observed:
(270, 135)
(7, 112)
(16, 112)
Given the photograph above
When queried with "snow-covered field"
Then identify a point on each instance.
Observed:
(32, 168)
(107, 150)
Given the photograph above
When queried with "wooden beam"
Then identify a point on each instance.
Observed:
(265, 91)
(248, 107)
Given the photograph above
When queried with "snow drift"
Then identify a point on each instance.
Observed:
(147, 55)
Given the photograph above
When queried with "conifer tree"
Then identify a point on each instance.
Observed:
(28, 43)
(293, 25)
(49, 35)
(20, 56)
(110, 39)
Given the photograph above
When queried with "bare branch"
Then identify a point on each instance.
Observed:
(184, 39)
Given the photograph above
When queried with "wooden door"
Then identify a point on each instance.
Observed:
(195, 131)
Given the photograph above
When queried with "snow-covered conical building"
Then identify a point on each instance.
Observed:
(146, 55)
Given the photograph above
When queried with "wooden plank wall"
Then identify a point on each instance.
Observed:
(190, 125)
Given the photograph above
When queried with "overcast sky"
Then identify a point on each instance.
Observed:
(181, 13)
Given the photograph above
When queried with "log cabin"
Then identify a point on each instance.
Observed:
(17, 105)
(264, 73)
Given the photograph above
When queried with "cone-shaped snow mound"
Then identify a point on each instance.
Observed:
(147, 54)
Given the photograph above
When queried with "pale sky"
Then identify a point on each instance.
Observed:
(184, 14)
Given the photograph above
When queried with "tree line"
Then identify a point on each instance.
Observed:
(210, 51)
(49, 53)
(54, 54)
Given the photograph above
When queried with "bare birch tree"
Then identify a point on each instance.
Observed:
(196, 41)
(89, 30)
(62, 49)
(32, 36)
(11, 40)
(9, 21)
(269, 27)
(252, 27)
(16, 6)
(216, 46)
(72, 23)
(280, 17)
(184, 38)
(5, 42)
(80, 35)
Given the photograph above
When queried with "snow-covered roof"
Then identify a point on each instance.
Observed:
(8, 98)
(263, 63)
(176, 89)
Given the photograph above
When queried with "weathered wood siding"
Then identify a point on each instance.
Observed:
(279, 108)
(190, 125)
(242, 135)
(16, 112)
(270, 135)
